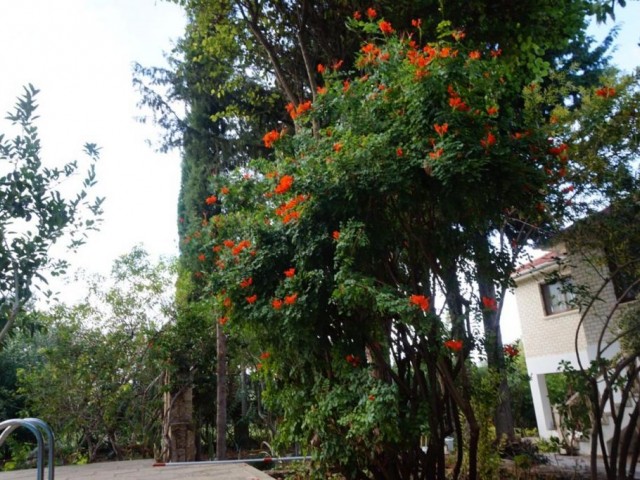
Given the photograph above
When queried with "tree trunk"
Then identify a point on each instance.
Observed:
(494, 348)
(221, 394)
(178, 435)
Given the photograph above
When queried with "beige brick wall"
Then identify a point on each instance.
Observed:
(542, 334)
(555, 334)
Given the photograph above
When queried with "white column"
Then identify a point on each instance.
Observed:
(542, 406)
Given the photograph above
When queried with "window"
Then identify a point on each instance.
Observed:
(557, 296)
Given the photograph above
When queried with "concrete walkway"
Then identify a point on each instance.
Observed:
(144, 470)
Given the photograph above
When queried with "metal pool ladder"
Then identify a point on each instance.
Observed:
(36, 426)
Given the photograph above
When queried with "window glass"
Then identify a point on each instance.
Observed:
(557, 296)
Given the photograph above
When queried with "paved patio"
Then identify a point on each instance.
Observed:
(144, 470)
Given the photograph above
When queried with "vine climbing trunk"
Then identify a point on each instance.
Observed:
(221, 394)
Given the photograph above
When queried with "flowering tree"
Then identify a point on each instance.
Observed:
(352, 260)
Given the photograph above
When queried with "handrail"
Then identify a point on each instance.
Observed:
(34, 425)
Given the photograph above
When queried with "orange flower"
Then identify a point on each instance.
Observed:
(252, 299)
(559, 149)
(346, 85)
(354, 360)
(453, 345)
(371, 13)
(495, 53)
(489, 303)
(290, 299)
(276, 303)
(511, 351)
(457, 104)
(474, 55)
(357, 15)
(303, 107)
(227, 302)
(217, 248)
(336, 235)
(229, 243)
(385, 27)
(489, 141)
(337, 64)
(337, 147)
(240, 247)
(223, 320)
(372, 397)
(606, 92)
(247, 282)
(265, 355)
(224, 190)
(458, 35)
(211, 200)
(417, 23)
(290, 272)
(270, 137)
(399, 152)
(295, 112)
(202, 257)
(492, 110)
(321, 90)
(321, 69)
(286, 181)
(441, 129)
(420, 301)
(436, 154)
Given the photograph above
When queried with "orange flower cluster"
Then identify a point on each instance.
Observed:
(441, 129)
(252, 299)
(290, 272)
(371, 13)
(371, 54)
(240, 247)
(417, 23)
(489, 303)
(493, 110)
(353, 360)
(287, 210)
(277, 303)
(454, 345)
(290, 299)
(606, 92)
(320, 69)
(511, 351)
(455, 101)
(475, 55)
(265, 355)
(336, 235)
(421, 59)
(488, 141)
(385, 27)
(211, 200)
(302, 108)
(224, 190)
(271, 137)
(247, 282)
(284, 185)
(436, 153)
(420, 301)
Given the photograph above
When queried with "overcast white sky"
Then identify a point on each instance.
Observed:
(79, 53)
